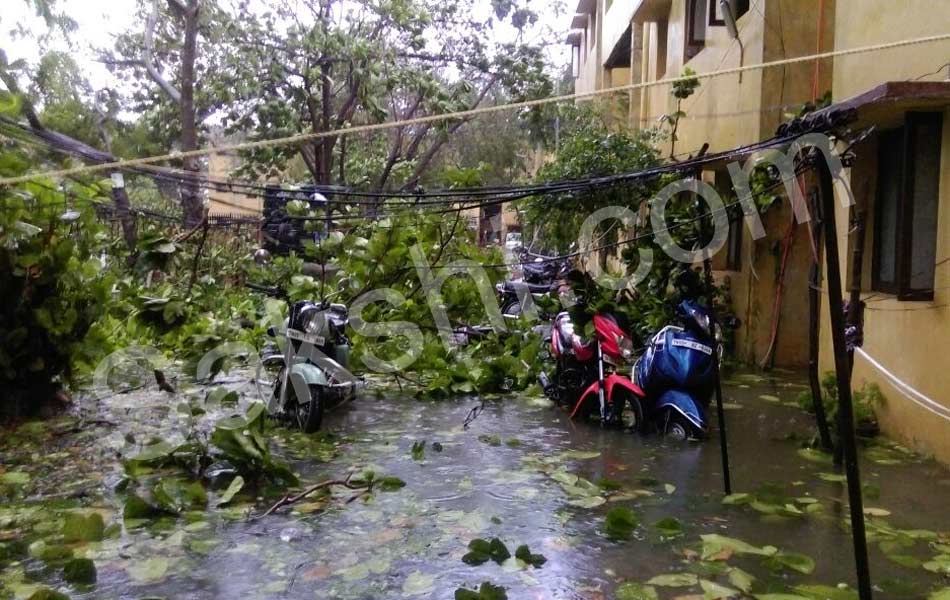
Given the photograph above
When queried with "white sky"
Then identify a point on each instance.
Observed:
(100, 20)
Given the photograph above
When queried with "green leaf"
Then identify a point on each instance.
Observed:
(524, 553)
(741, 579)
(80, 570)
(798, 562)
(620, 523)
(715, 591)
(418, 584)
(487, 591)
(233, 488)
(390, 484)
(713, 544)
(631, 590)
(674, 580)
(78, 527)
(149, 570)
(669, 527)
(943, 594)
(418, 450)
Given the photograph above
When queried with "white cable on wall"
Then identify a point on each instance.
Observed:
(915, 396)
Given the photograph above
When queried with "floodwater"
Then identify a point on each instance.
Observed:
(518, 473)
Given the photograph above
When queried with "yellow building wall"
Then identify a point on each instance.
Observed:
(907, 338)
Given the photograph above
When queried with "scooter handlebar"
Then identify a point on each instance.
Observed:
(265, 289)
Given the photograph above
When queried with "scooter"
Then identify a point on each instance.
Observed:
(586, 376)
(312, 373)
(678, 372)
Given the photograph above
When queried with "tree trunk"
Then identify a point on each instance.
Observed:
(190, 193)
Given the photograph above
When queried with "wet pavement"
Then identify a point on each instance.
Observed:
(522, 472)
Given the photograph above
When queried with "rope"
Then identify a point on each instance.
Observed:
(904, 388)
(305, 137)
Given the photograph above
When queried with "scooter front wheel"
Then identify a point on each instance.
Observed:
(678, 428)
(307, 412)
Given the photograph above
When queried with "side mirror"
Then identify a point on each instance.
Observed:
(262, 257)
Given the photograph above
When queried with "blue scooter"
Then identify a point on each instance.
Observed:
(678, 373)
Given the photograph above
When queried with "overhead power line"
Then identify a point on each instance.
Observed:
(305, 137)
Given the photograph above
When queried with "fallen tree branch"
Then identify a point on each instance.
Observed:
(364, 488)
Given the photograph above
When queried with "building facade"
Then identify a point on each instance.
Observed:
(899, 177)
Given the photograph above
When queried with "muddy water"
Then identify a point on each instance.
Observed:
(511, 476)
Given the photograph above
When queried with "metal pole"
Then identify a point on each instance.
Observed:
(723, 446)
(814, 380)
(843, 373)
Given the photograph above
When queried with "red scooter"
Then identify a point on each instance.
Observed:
(586, 375)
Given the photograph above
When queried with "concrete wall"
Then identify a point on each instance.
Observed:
(907, 338)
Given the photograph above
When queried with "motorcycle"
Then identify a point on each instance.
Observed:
(678, 372)
(312, 373)
(586, 375)
(540, 277)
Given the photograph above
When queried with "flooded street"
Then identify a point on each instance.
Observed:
(522, 473)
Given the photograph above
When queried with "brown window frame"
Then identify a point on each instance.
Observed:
(693, 46)
(904, 219)
(741, 7)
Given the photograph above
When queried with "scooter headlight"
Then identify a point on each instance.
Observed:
(313, 321)
(702, 321)
(625, 345)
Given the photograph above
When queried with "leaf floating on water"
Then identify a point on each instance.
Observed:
(78, 527)
(418, 450)
(233, 488)
(770, 398)
(481, 551)
(588, 502)
(738, 498)
(713, 544)
(669, 487)
(80, 570)
(741, 579)
(631, 590)
(674, 580)
(149, 570)
(524, 553)
(832, 477)
(715, 591)
(491, 440)
(798, 562)
(620, 523)
(580, 454)
(669, 527)
(487, 591)
(826, 592)
(390, 484)
(418, 584)
(943, 594)
(876, 512)
(814, 455)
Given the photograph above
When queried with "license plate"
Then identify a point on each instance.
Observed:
(307, 338)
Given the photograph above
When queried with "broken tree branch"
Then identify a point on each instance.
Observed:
(291, 499)
(147, 59)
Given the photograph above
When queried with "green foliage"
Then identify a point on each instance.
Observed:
(523, 553)
(51, 286)
(481, 551)
(80, 570)
(588, 148)
(865, 400)
(620, 523)
(486, 591)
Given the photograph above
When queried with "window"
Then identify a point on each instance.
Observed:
(905, 223)
(695, 26)
(576, 61)
(716, 18)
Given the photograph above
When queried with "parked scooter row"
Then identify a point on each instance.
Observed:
(541, 275)
(670, 386)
